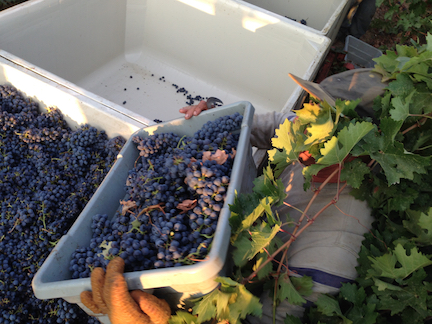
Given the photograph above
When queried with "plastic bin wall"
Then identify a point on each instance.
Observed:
(323, 16)
(76, 109)
(133, 53)
(53, 280)
(359, 53)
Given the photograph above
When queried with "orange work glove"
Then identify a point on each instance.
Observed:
(110, 295)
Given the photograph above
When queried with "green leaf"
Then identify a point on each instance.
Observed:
(413, 294)
(420, 224)
(249, 244)
(245, 304)
(205, 307)
(182, 317)
(262, 256)
(401, 86)
(401, 107)
(353, 172)
(382, 285)
(286, 138)
(338, 148)
(243, 205)
(353, 294)
(429, 42)
(232, 303)
(290, 319)
(268, 186)
(303, 285)
(346, 108)
(329, 307)
(320, 122)
(255, 214)
(286, 290)
(397, 163)
(385, 266)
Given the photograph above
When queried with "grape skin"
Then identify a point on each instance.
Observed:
(48, 172)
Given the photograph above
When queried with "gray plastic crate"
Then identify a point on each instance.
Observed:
(360, 53)
(53, 280)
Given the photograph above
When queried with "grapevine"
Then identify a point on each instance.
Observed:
(387, 164)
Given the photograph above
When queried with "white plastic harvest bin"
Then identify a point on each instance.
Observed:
(323, 16)
(53, 280)
(76, 109)
(218, 48)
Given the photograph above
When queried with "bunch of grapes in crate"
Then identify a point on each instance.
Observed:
(173, 197)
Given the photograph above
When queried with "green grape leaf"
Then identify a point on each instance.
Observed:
(205, 307)
(385, 266)
(267, 269)
(382, 285)
(303, 285)
(280, 159)
(230, 303)
(413, 294)
(182, 317)
(249, 244)
(386, 65)
(398, 163)
(329, 307)
(353, 294)
(425, 222)
(286, 290)
(353, 172)
(401, 107)
(268, 186)
(249, 220)
(401, 86)
(363, 309)
(321, 122)
(286, 139)
(337, 148)
(346, 108)
(429, 42)
(245, 303)
(263, 256)
(243, 205)
(420, 224)
(291, 319)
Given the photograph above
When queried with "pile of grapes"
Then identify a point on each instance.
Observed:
(48, 172)
(174, 195)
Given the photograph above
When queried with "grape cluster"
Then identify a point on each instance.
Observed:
(48, 172)
(174, 196)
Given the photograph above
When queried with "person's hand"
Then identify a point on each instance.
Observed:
(110, 295)
(194, 110)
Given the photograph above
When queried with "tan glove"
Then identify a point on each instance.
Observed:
(110, 295)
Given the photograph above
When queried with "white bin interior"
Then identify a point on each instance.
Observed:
(215, 48)
(324, 16)
(76, 109)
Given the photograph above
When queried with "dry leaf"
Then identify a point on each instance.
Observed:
(220, 156)
(127, 205)
(186, 205)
